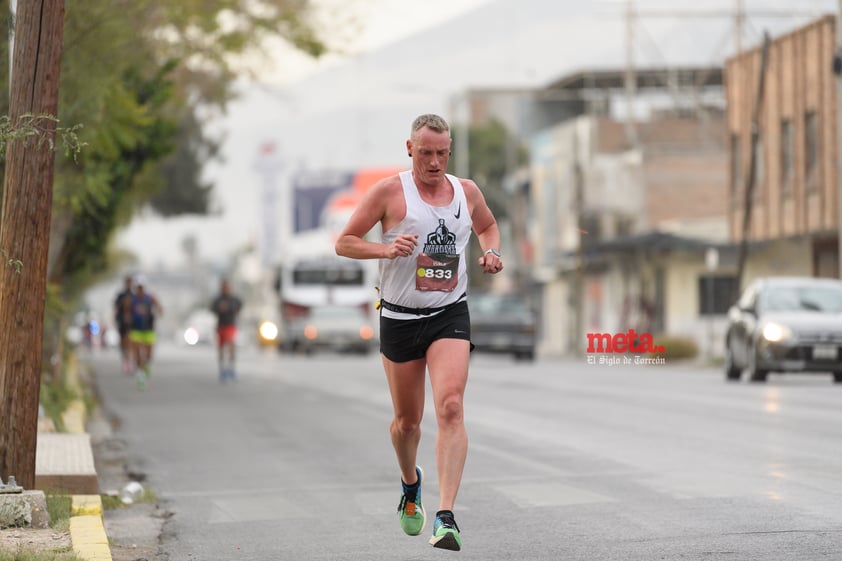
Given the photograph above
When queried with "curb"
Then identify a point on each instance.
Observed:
(87, 527)
(87, 530)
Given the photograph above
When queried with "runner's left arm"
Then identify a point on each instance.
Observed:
(485, 227)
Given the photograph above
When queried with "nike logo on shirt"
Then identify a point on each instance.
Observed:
(458, 211)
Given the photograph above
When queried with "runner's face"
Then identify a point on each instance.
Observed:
(430, 152)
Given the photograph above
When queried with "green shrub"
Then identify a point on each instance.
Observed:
(54, 397)
(111, 502)
(676, 348)
(60, 508)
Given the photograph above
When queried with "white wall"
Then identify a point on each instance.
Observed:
(778, 258)
(681, 302)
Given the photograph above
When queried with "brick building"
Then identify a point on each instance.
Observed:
(795, 196)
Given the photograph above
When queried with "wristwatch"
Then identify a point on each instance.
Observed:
(492, 251)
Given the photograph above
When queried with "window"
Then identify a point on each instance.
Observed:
(716, 294)
(811, 149)
(787, 156)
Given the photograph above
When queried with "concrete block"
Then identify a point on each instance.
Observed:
(27, 509)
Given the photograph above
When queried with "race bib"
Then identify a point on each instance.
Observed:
(437, 272)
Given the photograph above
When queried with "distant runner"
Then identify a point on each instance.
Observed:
(123, 320)
(144, 309)
(227, 307)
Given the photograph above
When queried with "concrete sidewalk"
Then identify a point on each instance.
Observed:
(64, 463)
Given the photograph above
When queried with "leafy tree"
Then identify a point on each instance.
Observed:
(493, 154)
(137, 74)
(183, 167)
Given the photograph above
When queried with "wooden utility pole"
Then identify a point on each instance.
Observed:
(748, 199)
(25, 231)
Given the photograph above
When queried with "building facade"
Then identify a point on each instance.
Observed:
(626, 206)
(622, 228)
(795, 194)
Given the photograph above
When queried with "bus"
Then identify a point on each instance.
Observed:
(313, 275)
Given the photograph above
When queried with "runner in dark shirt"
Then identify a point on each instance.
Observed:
(227, 307)
(123, 321)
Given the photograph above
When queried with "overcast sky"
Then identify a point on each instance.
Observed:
(407, 58)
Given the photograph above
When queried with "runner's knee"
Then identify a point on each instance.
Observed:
(450, 411)
(405, 426)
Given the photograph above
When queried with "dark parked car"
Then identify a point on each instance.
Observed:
(502, 323)
(334, 328)
(785, 324)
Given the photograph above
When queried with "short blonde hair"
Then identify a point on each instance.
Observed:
(431, 121)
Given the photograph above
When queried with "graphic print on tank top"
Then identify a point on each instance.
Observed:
(438, 263)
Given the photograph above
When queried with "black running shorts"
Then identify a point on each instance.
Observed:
(402, 340)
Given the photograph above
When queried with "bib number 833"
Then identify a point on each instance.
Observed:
(437, 274)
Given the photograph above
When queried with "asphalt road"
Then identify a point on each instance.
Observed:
(567, 460)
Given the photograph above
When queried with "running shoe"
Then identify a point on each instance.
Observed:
(446, 532)
(410, 511)
(140, 379)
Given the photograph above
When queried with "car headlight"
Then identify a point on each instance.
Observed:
(775, 332)
(191, 336)
(268, 331)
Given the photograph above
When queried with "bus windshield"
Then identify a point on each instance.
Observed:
(346, 275)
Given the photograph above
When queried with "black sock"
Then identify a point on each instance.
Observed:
(444, 513)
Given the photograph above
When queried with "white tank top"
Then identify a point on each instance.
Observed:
(436, 273)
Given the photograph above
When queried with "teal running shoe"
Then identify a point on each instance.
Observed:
(410, 511)
(446, 532)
